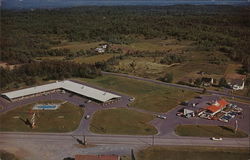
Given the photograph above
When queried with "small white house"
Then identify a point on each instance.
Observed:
(100, 50)
(237, 84)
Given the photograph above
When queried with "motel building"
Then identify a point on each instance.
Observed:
(62, 86)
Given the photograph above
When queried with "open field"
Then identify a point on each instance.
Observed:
(93, 59)
(122, 121)
(76, 46)
(155, 45)
(195, 61)
(64, 119)
(208, 131)
(144, 67)
(51, 58)
(148, 96)
(192, 153)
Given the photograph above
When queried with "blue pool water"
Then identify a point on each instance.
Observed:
(46, 107)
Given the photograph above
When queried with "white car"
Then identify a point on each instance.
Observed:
(216, 139)
(87, 116)
(131, 99)
(161, 117)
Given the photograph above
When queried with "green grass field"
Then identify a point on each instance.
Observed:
(192, 153)
(155, 45)
(64, 119)
(208, 131)
(51, 58)
(93, 59)
(195, 61)
(149, 96)
(122, 121)
(145, 67)
(76, 46)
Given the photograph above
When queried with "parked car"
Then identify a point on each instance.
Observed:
(225, 118)
(131, 99)
(87, 116)
(232, 114)
(216, 139)
(82, 105)
(88, 101)
(161, 117)
(179, 113)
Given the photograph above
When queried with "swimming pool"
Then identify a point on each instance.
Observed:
(46, 106)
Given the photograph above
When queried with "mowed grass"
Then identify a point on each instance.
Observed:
(64, 119)
(148, 96)
(93, 59)
(122, 121)
(192, 153)
(208, 131)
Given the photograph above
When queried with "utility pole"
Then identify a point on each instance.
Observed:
(153, 140)
(236, 126)
(84, 139)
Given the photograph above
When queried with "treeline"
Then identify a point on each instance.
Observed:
(224, 28)
(48, 70)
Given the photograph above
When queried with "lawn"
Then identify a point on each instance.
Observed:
(122, 121)
(149, 96)
(208, 131)
(192, 153)
(64, 119)
(93, 59)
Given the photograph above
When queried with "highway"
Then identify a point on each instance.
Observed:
(121, 139)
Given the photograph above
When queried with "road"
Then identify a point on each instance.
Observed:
(123, 139)
(176, 85)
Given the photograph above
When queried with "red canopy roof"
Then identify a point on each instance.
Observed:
(215, 107)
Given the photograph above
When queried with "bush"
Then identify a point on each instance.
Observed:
(172, 58)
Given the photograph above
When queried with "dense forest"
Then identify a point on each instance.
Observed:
(47, 70)
(28, 34)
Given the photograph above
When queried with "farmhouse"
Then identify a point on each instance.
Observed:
(207, 81)
(236, 84)
(80, 89)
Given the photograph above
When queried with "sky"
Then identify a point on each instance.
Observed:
(28, 4)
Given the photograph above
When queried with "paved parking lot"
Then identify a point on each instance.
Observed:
(166, 127)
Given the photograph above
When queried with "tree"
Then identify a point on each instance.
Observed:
(223, 82)
(204, 91)
(168, 78)
(198, 82)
